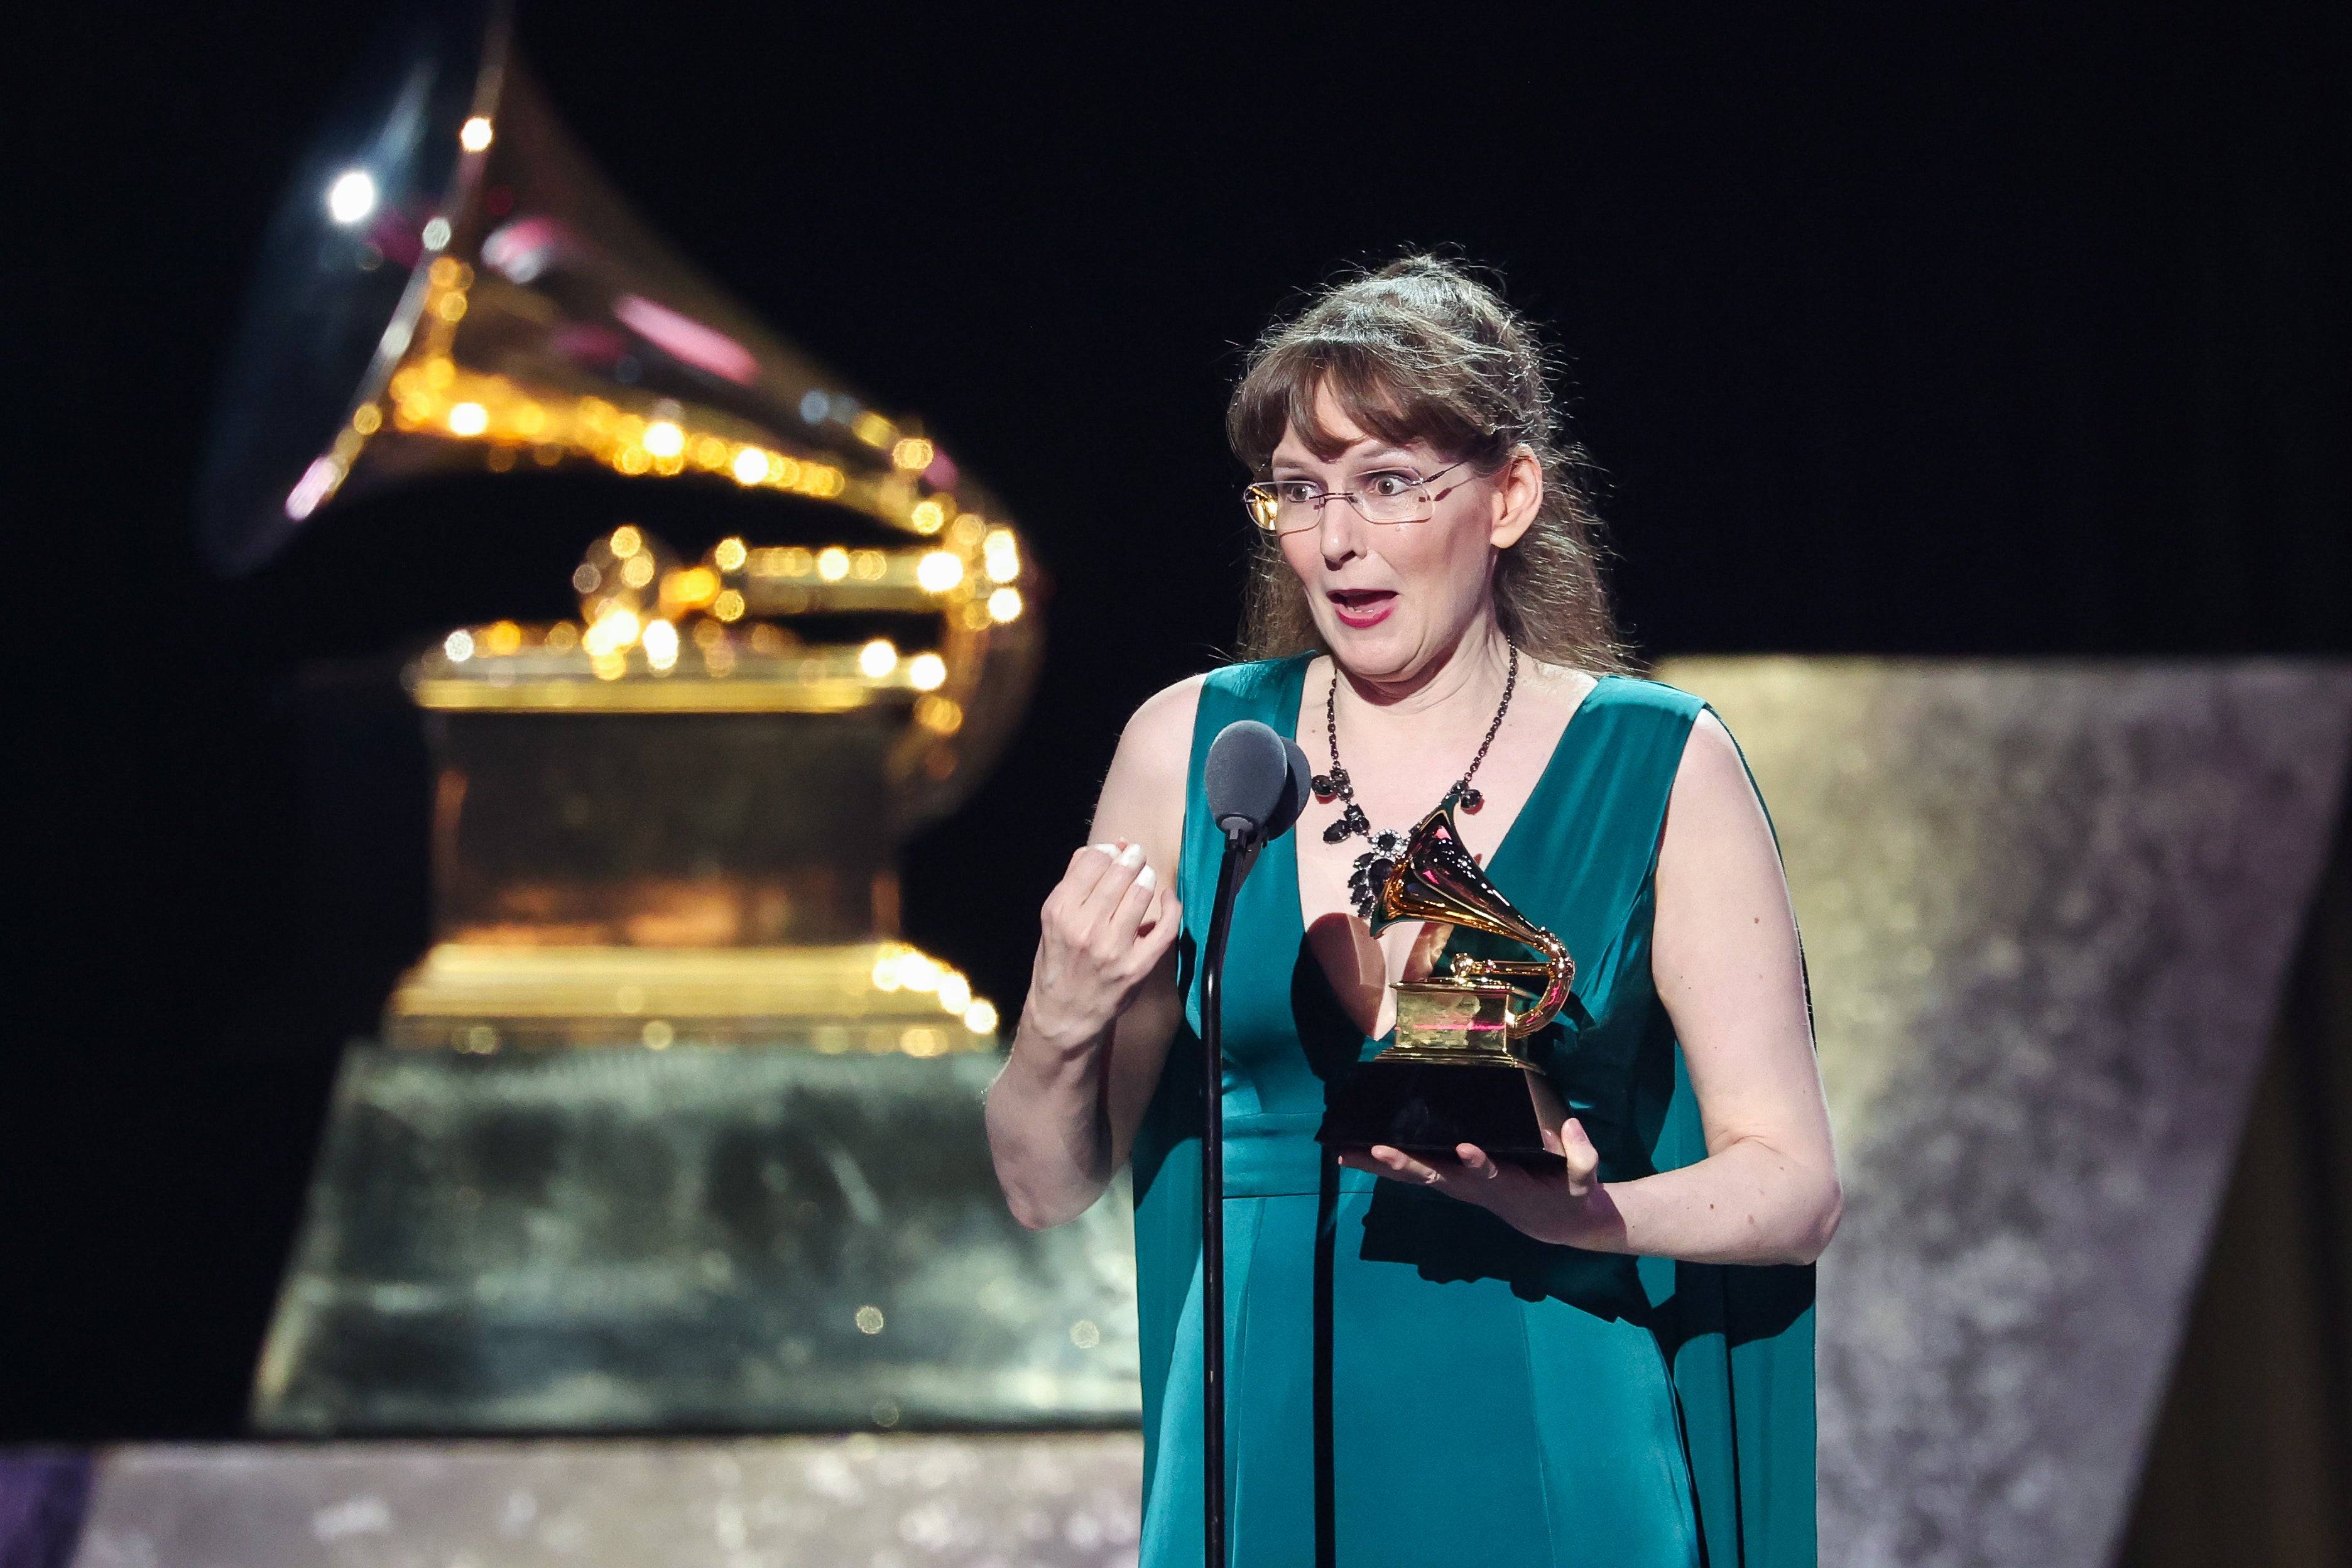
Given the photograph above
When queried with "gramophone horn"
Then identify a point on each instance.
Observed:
(449, 285)
(1437, 878)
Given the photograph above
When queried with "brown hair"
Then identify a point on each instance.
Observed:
(1422, 350)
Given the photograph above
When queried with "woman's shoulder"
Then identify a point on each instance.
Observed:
(1167, 718)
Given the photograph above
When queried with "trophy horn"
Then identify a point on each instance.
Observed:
(451, 286)
(1437, 878)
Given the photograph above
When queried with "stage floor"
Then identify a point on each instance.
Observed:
(1064, 1499)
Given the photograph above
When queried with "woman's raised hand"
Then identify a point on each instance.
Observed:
(1105, 927)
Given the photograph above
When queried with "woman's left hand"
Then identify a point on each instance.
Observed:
(1571, 1208)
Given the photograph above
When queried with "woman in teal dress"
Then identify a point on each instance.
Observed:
(1444, 1361)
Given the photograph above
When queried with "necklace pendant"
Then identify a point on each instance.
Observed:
(1325, 786)
(1471, 800)
(1371, 870)
(1336, 832)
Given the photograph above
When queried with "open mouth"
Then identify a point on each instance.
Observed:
(1362, 607)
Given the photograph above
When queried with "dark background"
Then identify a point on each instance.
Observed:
(2017, 333)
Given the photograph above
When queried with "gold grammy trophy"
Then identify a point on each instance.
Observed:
(675, 818)
(669, 1122)
(1459, 1070)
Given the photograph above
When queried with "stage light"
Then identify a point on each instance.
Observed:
(458, 645)
(352, 197)
(664, 440)
(469, 419)
(616, 629)
(980, 1018)
(474, 136)
(918, 971)
(626, 542)
(1004, 605)
(436, 233)
(832, 564)
(750, 466)
(317, 483)
(927, 672)
(877, 658)
(731, 555)
(1003, 554)
(660, 640)
(938, 572)
(928, 517)
(912, 455)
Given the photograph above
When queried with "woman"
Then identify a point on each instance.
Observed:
(1444, 1361)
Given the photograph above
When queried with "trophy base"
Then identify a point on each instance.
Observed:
(1428, 1108)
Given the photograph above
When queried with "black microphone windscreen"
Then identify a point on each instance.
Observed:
(1294, 792)
(1247, 778)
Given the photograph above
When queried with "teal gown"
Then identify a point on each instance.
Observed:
(1411, 1381)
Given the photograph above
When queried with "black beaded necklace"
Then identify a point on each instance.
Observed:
(1373, 866)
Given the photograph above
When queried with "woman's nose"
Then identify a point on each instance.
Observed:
(1339, 533)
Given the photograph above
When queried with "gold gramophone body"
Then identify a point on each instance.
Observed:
(676, 817)
(669, 1122)
(1459, 1070)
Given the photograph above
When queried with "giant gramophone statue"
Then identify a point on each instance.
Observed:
(1459, 1070)
(669, 1127)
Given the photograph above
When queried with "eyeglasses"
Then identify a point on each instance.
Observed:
(1390, 495)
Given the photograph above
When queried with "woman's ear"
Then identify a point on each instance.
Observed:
(1518, 497)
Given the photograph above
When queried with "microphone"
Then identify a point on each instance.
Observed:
(1256, 782)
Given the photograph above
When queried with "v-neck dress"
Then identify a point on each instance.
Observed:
(1410, 1381)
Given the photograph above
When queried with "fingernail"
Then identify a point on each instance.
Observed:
(1109, 850)
(1130, 855)
(1146, 880)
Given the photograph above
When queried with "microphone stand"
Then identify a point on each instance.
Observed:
(1239, 844)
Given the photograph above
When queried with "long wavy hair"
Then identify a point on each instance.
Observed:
(1422, 350)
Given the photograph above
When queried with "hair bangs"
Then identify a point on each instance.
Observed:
(1381, 398)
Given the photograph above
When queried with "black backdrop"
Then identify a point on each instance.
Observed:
(2022, 333)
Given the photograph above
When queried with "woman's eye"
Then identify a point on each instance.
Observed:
(1296, 492)
(1387, 484)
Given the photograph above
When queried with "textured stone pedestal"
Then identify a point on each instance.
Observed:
(696, 1239)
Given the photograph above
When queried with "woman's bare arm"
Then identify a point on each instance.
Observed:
(1102, 1004)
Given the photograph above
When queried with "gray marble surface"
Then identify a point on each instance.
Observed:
(696, 1239)
(2047, 909)
(859, 1501)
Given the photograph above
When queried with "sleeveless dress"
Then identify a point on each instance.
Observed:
(1410, 1381)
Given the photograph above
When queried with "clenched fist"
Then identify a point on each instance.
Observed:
(1104, 928)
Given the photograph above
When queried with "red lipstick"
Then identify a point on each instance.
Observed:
(1362, 608)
